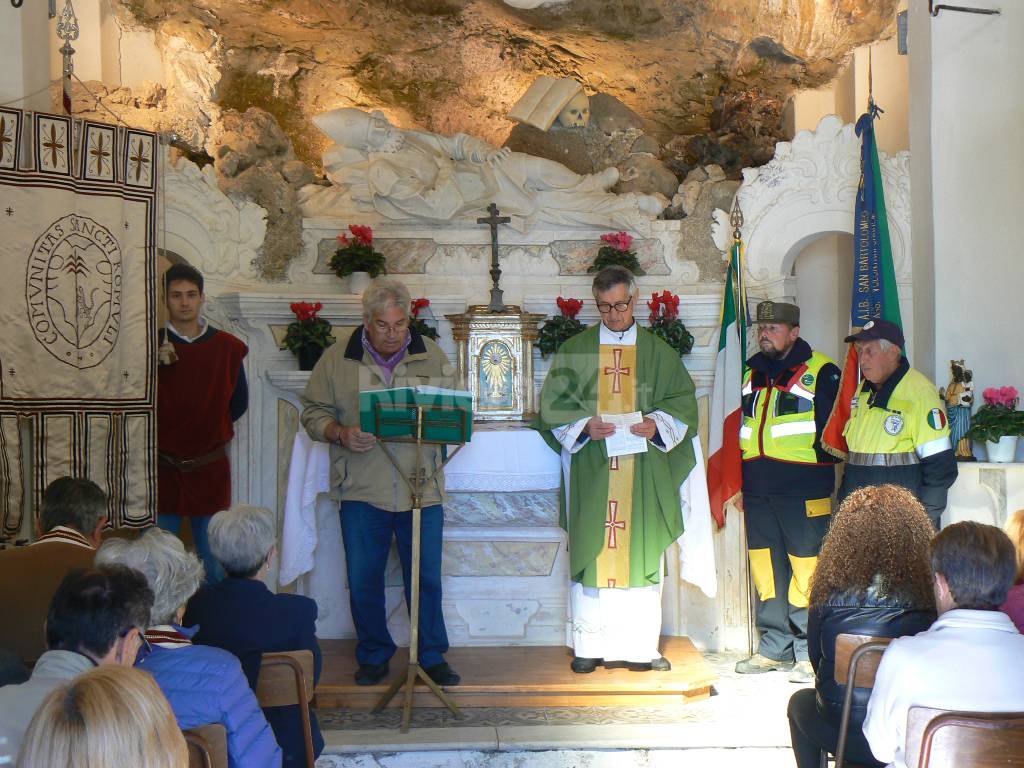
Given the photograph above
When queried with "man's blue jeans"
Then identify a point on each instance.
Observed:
(200, 525)
(367, 533)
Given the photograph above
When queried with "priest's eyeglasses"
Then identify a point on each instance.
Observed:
(619, 306)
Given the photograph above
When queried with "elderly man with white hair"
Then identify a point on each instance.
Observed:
(898, 431)
(376, 505)
(203, 684)
(241, 615)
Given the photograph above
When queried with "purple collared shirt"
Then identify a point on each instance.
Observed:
(387, 364)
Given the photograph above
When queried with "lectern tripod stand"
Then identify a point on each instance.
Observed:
(417, 484)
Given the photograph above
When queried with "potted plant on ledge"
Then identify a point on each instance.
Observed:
(308, 335)
(560, 328)
(617, 251)
(665, 322)
(356, 259)
(418, 322)
(998, 423)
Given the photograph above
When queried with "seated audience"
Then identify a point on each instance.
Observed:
(12, 669)
(95, 619)
(73, 513)
(970, 658)
(111, 716)
(240, 615)
(203, 684)
(873, 579)
(1014, 605)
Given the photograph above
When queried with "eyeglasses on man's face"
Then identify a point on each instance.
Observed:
(619, 306)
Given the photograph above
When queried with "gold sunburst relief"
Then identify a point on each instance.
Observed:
(494, 352)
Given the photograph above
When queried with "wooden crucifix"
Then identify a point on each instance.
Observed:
(493, 220)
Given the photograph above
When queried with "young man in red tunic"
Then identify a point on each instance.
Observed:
(201, 392)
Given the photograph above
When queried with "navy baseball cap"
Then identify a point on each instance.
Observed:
(879, 329)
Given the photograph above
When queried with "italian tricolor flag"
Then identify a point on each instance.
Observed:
(724, 460)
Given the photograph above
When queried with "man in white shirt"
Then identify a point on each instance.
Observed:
(969, 660)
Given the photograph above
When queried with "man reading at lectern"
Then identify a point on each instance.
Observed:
(376, 505)
(621, 512)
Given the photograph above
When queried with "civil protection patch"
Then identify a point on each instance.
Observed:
(937, 418)
(807, 379)
(893, 423)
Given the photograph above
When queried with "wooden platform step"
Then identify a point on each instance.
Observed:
(525, 676)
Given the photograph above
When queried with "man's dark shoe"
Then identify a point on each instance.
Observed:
(661, 664)
(442, 674)
(584, 666)
(371, 674)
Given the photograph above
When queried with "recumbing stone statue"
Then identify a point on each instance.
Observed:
(409, 174)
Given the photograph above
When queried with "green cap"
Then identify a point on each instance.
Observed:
(778, 312)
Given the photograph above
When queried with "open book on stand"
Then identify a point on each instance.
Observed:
(391, 413)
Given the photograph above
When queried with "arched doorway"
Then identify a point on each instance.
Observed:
(823, 274)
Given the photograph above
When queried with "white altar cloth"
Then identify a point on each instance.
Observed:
(505, 460)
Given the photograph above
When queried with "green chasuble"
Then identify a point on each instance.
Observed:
(570, 393)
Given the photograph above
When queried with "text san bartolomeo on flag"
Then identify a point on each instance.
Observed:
(77, 312)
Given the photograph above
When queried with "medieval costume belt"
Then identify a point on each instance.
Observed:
(187, 465)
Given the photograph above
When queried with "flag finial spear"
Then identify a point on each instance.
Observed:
(736, 219)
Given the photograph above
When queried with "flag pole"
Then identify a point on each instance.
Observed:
(67, 30)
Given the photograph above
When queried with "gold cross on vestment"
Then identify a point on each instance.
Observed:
(613, 524)
(617, 370)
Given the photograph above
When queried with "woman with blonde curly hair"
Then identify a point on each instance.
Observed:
(873, 578)
(1014, 605)
(109, 716)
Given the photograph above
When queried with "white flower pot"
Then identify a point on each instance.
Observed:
(1003, 451)
(358, 282)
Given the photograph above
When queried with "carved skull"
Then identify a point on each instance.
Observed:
(575, 114)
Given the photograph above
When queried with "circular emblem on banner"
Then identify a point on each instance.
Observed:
(73, 290)
(807, 379)
(936, 418)
(893, 423)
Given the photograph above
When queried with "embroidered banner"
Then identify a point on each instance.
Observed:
(77, 313)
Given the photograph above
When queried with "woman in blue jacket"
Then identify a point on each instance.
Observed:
(203, 684)
(241, 615)
(873, 578)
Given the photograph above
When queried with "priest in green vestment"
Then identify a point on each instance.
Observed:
(621, 512)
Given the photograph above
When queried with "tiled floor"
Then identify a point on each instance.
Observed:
(744, 721)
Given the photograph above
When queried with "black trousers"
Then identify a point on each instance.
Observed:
(811, 732)
(784, 535)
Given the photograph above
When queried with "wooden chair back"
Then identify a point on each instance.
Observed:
(939, 738)
(286, 679)
(207, 746)
(857, 659)
(867, 667)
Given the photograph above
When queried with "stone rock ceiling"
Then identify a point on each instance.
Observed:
(708, 77)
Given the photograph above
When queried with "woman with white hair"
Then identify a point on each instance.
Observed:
(203, 685)
(241, 615)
